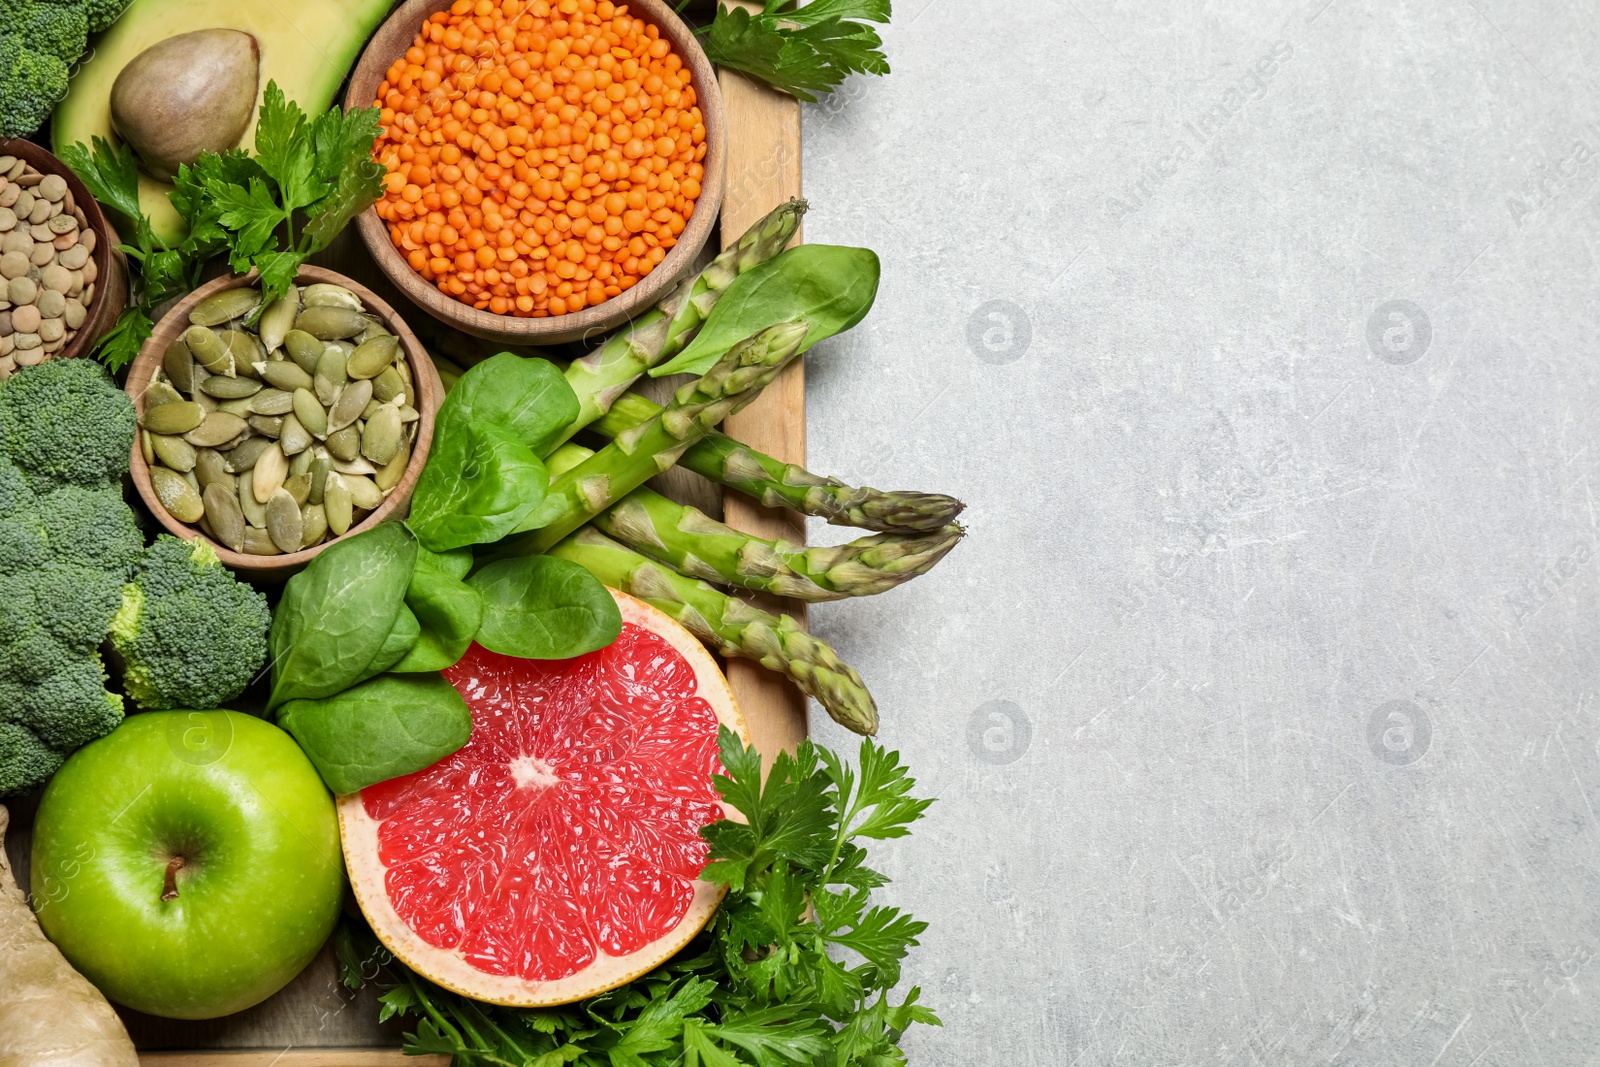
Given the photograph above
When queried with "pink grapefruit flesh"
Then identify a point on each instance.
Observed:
(556, 855)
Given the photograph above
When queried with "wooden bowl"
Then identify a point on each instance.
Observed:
(391, 42)
(430, 394)
(111, 281)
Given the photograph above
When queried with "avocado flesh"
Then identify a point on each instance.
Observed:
(307, 47)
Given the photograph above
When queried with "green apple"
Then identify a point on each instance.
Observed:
(188, 862)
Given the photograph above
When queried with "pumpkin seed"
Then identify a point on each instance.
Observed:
(312, 415)
(205, 400)
(218, 308)
(300, 463)
(224, 515)
(373, 407)
(257, 542)
(326, 294)
(211, 468)
(246, 351)
(354, 466)
(336, 502)
(407, 381)
(371, 357)
(380, 439)
(319, 478)
(179, 365)
(345, 444)
(276, 320)
(269, 472)
(224, 388)
(266, 425)
(147, 447)
(388, 385)
(218, 429)
(329, 323)
(255, 512)
(409, 413)
(364, 492)
(391, 473)
(244, 455)
(175, 452)
(176, 494)
(243, 407)
(292, 436)
(331, 375)
(299, 487)
(304, 349)
(348, 407)
(286, 375)
(273, 402)
(313, 524)
(179, 416)
(159, 392)
(208, 347)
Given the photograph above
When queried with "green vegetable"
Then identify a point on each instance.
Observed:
(68, 548)
(336, 616)
(802, 50)
(191, 636)
(731, 626)
(449, 611)
(381, 729)
(622, 466)
(795, 969)
(701, 547)
(484, 476)
(314, 174)
(544, 608)
(397, 644)
(40, 40)
(601, 376)
(778, 484)
(830, 288)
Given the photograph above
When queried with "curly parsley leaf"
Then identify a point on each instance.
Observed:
(803, 50)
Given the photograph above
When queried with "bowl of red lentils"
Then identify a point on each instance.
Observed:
(554, 167)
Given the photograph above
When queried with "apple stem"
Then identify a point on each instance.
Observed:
(170, 891)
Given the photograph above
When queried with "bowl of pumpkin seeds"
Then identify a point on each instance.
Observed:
(274, 429)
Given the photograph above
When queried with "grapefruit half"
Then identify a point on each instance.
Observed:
(557, 855)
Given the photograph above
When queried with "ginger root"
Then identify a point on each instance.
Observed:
(50, 1016)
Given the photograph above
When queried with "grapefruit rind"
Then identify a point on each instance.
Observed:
(359, 838)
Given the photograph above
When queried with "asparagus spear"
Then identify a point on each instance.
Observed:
(699, 546)
(777, 484)
(605, 374)
(733, 627)
(579, 494)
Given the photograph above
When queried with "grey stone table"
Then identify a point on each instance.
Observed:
(1261, 702)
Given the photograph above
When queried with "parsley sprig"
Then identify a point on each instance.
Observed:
(795, 969)
(803, 50)
(316, 174)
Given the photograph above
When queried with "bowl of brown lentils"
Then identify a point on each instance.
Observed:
(61, 282)
(273, 430)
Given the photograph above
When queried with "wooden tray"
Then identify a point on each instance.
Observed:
(315, 1021)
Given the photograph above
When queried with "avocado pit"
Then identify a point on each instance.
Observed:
(191, 93)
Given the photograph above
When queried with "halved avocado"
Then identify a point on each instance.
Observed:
(307, 47)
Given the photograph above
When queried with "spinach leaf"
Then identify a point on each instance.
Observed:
(484, 475)
(402, 636)
(456, 563)
(390, 726)
(335, 616)
(538, 607)
(831, 287)
(450, 611)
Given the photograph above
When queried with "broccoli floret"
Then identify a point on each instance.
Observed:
(102, 13)
(47, 26)
(22, 541)
(34, 654)
(25, 761)
(31, 84)
(192, 636)
(72, 708)
(92, 527)
(14, 491)
(65, 419)
(75, 603)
